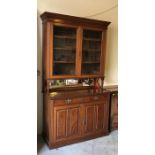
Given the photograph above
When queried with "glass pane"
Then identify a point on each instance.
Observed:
(64, 69)
(91, 51)
(64, 50)
(90, 68)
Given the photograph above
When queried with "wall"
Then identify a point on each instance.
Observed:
(39, 78)
(89, 7)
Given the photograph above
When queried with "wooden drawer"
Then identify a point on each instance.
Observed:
(68, 101)
(79, 100)
(95, 98)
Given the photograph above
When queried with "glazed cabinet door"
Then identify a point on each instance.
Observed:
(66, 122)
(64, 50)
(92, 52)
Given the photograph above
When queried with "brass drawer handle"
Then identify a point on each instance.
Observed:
(113, 94)
(68, 101)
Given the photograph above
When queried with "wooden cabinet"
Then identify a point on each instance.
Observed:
(76, 121)
(114, 111)
(74, 48)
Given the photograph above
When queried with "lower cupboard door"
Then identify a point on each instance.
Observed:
(89, 123)
(66, 122)
(96, 118)
(100, 117)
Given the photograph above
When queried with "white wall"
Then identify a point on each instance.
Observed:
(82, 9)
(39, 78)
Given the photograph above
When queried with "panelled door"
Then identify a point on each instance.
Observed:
(89, 118)
(95, 118)
(66, 122)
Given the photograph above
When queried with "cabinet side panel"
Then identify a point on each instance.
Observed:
(44, 57)
(114, 111)
(46, 122)
(50, 42)
(45, 51)
(115, 104)
(47, 47)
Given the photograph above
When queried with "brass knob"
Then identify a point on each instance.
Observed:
(68, 101)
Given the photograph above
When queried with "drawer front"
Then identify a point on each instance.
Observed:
(68, 101)
(95, 98)
(87, 99)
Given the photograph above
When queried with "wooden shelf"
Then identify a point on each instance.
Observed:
(64, 37)
(90, 62)
(91, 39)
(90, 50)
(64, 48)
(64, 62)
